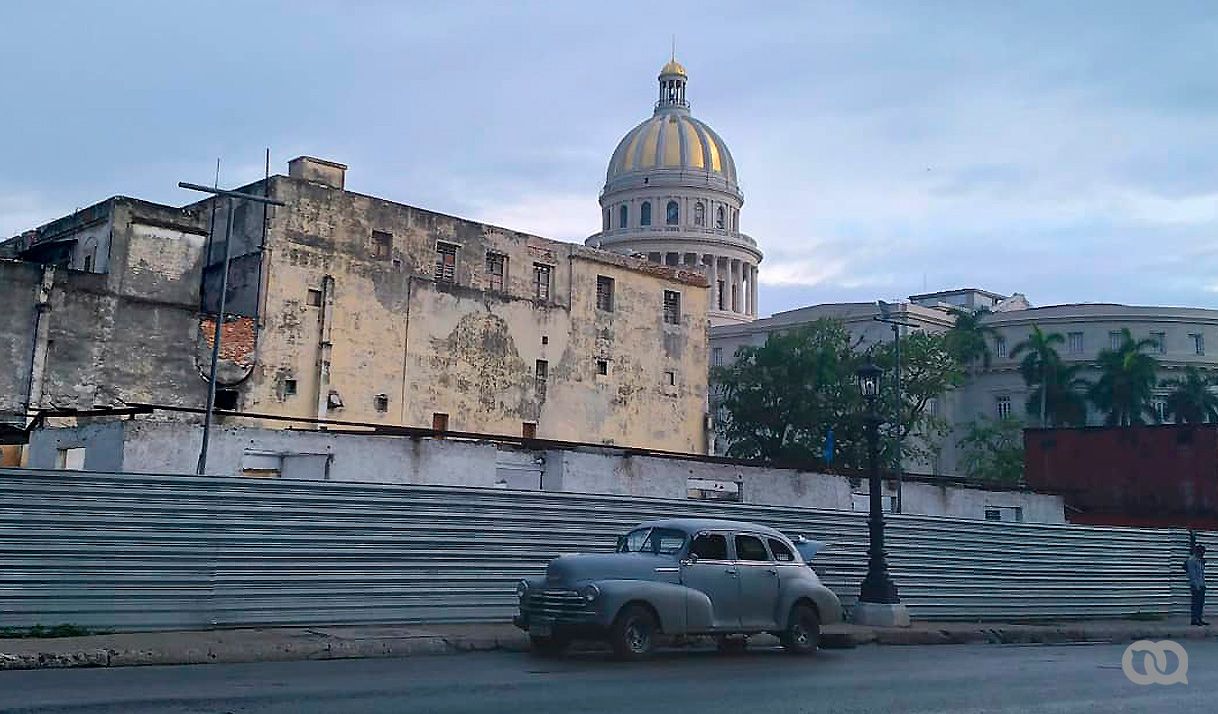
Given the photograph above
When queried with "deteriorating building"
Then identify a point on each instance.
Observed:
(348, 307)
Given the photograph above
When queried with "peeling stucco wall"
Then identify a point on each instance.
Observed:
(355, 322)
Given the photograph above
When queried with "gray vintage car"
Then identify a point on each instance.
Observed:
(726, 579)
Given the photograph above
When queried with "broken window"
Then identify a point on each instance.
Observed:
(496, 271)
(446, 263)
(382, 245)
(541, 373)
(602, 366)
(604, 293)
(541, 281)
(289, 387)
(672, 307)
(381, 402)
(226, 399)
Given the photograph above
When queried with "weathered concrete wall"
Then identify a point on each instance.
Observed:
(102, 442)
(166, 447)
(355, 327)
(19, 284)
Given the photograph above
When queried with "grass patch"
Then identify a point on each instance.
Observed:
(42, 631)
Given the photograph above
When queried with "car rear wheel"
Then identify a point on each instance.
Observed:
(548, 646)
(802, 635)
(633, 633)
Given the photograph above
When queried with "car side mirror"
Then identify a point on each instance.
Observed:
(690, 559)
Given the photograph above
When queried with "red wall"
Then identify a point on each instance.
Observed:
(1143, 475)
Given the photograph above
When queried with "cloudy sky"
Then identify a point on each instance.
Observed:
(1068, 151)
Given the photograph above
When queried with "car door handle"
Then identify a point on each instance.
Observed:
(771, 571)
(730, 571)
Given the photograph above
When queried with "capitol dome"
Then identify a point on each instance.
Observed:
(672, 196)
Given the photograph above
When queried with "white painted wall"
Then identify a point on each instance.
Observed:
(173, 447)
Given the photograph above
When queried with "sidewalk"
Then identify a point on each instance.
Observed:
(312, 643)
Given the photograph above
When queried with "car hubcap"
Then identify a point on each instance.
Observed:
(636, 637)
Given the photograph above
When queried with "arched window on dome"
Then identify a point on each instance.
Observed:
(720, 218)
(645, 214)
(699, 214)
(673, 214)
(623, 216)
(605, 223)
(735, 220)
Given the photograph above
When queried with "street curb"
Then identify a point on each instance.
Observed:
(314, 645)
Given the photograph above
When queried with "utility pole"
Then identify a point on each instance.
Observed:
(230, 203)
(886, 316)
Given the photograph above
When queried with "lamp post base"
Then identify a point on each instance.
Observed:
(880, 615)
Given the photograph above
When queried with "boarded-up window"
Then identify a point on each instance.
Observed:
(541, 374)
(382, 245)
(381, 402)
(604, 293)
(541, 281)
(496, 271)
(672, 307)
(446, 263)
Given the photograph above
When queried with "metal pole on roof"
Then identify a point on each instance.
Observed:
(231, 198)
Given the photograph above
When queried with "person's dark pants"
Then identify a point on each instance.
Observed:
(1198, 604)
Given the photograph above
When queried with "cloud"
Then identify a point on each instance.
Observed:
(568, 217)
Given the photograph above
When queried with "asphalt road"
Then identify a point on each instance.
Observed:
(979, 678)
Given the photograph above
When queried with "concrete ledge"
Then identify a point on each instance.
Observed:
(287, 644)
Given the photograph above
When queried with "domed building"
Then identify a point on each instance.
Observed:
(671, 196)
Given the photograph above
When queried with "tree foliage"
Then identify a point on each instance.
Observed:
(1192, 399)
(968, 339)
(1056, 391)
(992, 450)
(1127, 377)
(779, 400)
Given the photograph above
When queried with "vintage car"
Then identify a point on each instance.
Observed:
(725, 579)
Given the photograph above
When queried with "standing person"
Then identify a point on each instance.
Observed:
(1195, 565)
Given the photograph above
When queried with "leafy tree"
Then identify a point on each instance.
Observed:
(993, 450)
(1191, 400)
(968, 339)
(1126, 381)
(780, 399)
(1056, 390)
(928, 371)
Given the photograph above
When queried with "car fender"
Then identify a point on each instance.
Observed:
(667, 599)
(827, 604)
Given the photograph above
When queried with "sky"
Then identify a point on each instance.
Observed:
(1067, 151)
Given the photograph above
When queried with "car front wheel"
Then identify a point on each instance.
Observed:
(633, 634)
(803, 630)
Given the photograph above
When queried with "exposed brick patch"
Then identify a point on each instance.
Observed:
(238, 336)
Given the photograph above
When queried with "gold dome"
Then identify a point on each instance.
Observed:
(672, 140)
(673, 67)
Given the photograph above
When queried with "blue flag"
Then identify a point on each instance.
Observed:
(828, 452)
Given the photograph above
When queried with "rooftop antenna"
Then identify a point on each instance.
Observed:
(674, 47)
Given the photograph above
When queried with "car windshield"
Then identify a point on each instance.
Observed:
(662, 541)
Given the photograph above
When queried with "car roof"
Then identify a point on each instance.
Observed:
(693, 525)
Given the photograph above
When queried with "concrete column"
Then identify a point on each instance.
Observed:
(714, 281)
(734, 291)
(755, 272)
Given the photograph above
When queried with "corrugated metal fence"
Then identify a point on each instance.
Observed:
(156, 552)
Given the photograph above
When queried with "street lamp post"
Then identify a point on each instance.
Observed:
(878, 601)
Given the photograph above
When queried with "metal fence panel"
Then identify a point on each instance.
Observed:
(137, 551)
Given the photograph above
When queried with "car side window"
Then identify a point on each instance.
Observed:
(751, 548)
(781, 552)
(709, 546)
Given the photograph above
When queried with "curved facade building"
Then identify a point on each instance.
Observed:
(671, 196)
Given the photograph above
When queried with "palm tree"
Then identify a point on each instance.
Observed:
(968, 338)
(1127, 378)
(1061, 395)
(1192, 400)
(1040, 357)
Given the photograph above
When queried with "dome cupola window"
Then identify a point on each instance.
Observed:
(720, 219)
(623, 216)
(699, 214)
(673, 214)
(645, 214)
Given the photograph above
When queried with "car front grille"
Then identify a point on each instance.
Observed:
(561, 605)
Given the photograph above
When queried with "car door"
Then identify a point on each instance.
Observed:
(758, 579)
(711, 571)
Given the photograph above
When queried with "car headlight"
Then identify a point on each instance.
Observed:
(522, 587)
(590, 592)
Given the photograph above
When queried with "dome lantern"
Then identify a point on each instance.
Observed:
(672, 86)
